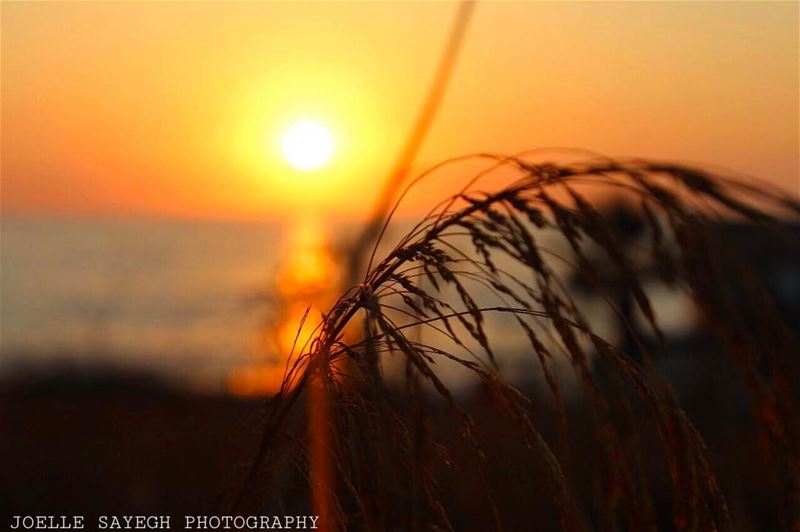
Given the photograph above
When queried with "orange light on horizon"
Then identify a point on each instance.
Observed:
(304, 286)
(255, 380)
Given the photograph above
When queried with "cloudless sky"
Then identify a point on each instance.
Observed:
(177, 108)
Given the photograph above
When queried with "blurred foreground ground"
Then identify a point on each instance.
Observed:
(117, 443)
(126, 444)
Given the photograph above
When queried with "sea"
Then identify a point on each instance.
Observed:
(178, 297)
(187, 300)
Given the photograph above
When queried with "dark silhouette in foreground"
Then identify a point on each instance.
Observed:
(376, 455)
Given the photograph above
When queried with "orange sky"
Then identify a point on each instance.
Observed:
(177, 108)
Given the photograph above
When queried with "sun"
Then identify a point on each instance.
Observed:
(307, 145)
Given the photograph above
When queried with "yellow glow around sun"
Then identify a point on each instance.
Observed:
(307, 145)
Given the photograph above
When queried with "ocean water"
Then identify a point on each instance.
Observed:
(189, 300)
(181, 297)
(186, 299)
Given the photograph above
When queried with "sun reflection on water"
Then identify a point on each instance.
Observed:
(304, 282)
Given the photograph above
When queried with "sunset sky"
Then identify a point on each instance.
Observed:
(178, 108)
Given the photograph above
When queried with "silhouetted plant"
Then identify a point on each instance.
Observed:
(479, 255)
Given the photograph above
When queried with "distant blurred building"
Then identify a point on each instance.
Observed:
(743, 254)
